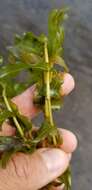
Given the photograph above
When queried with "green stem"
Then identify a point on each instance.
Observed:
(14, 118)
(48, 109)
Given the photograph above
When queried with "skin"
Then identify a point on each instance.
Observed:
(32, 172)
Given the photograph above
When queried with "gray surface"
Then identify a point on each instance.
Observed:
(24, 15)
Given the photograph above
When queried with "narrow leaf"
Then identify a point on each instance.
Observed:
(1, 60)
(8, 143)
(5, 114)
(56, 31)
(24, 121)
(60, 61)
(5, 158)
(45, 130)
(13, 69)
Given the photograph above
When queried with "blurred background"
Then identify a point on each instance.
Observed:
(24, 15)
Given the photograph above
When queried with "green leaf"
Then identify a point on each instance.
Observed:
(55, 85)
(5, 114)
(7, 143)
(9, 146)
(9, 85)
(45, 130)
(14, 86)
(35, 76)
(66, 179)
(56, 31)
(12, 69)
(15, 69)
(18, 88)
(1, 60)
(57, 104)
(60, 61)
(17, 39)
(5, 158)
(29, 43)
(23, 120)
(31, 58)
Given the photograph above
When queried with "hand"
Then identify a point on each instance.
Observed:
(32, 172)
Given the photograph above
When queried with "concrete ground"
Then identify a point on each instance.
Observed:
(25, 15)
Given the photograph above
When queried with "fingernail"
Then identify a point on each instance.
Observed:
(68, 84)
(55, 159)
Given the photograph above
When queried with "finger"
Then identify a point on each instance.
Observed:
(68, 84)
(69, 141)
(34, 171)
(7, 130)
(24, 101)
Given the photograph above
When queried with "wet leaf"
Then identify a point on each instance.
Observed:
(5, 114)
(5, 158)
(8, 143)
(1, 60)
(9, 146)
(66, 179)
(57, 104)
(23, 120)
(29, 43)
(45, 130)
(60, 61)
(56, 31)
(15, 69)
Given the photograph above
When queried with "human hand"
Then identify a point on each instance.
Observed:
(32, 172)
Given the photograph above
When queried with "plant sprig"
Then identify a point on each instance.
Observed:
(38, 57)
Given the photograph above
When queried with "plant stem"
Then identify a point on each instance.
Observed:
(14, 118)
(48, 109)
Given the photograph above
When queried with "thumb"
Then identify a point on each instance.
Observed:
(34, 171)
(49, 164)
